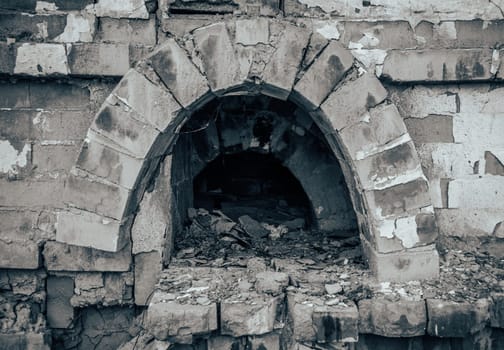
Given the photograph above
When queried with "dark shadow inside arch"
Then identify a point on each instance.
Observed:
(264, 165)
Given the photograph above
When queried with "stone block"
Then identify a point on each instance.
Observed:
(336, 323)
(170, 319)
(19, 254)
(348, 104)
(60, 312)
(152, 101)
(86, 229)
(378, 35)
(148, 268)
(393, 235)
(47, 158)
(218, 57)
(7, 58)
(116, 289)
(417, 263)
(250, 32)
(60, 96)
(280, 72)
(402, 318)
(127, 31)
(122, 126)
(90, 59)
(265, 342)
(64, 257)
(497, 310)
(19, 5)
(438, 65)
(422, 101)
(433, 128)
(124, 9)
(175, 69)
(271, 282)
(31, 194)
(391, 167)
(225, 343)
(476, 192)
(25, 341)
(375, 342)
(41, 59)
(14, 95)
(427, 227)
(452, 319)
(323, 75)
(375, 134)
(108, 163)
(254, 317)
(398, 199)
(97, 196)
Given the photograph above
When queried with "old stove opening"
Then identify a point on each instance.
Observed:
(253, 184)
(254, 176)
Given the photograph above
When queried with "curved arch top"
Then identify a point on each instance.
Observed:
(138, 124)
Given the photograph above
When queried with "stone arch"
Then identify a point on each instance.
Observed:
(138, 123)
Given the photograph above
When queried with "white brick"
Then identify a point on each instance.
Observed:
(476, 192)
(41, 59)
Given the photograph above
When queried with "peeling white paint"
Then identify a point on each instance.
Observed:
(370, 57)
(406, 231)
(328, 29)
(378, 149)
(44, 6)
(10, 159)
(495, 62)
(386, 228)
(120, 9)
(41, 59)
(78, 28)
(42, 30)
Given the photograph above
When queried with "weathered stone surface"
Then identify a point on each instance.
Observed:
(218, 58)
(86, 229)
(153, 102)
(254, 317)
(224, 343)
(433, 128)
(252, 31)
(390, 167)
(347, 105)
(422, 101)
(98, 59)
(265, 342)
(271, 282)
(175, 69)
(378, 35)
(497, 310)
(281, 70)
(121, 125)
(19, 254)
(420, 263)
(108, 163)
(375, 342)
(324, 74)
(41, 59)
(123, 9)
(399, 199)
(26, 341)
(112, 289)
(438, 65)
(494, 162)
(147, 271)
(170, 319)
(127, 31)
(452, 319)
(476, 192)
(464, 222)
(97, 196)
(395, 234)
(336, 323)
(60, 313)
(402, 318)
(64, 257)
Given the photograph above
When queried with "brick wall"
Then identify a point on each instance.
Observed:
(59, 60)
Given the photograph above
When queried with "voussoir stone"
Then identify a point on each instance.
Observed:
(349, 103)
(324, 74)
(403, 318)
(179, 73)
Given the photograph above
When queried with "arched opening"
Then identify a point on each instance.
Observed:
(253, 174)
(254, 184)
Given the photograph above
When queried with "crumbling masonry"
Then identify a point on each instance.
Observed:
(233, 174)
